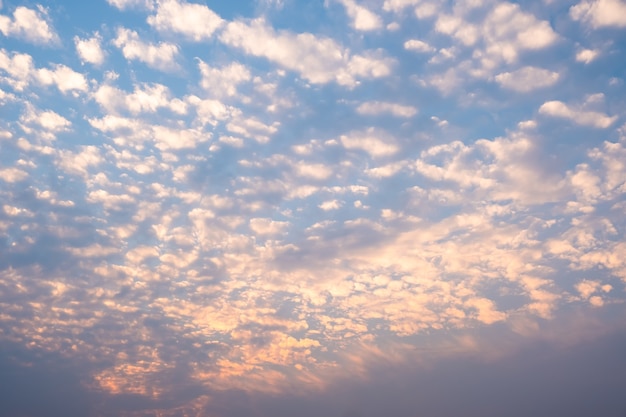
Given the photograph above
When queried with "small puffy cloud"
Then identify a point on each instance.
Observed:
(12, 174)
(146, 98)
(267, 227)
(195, 21)
(318, 59)
(375, 142)
(527, 79)
(600, 13)
(587, 55)
(362, 18)
(47, 120)
(22, 73)
(65, 78)
(223, 81)
(16, 211)
(508, 30)
(89, 50)
(418, 46)
(78, 163)
(372, 108)
(161, 56)
(398, 5)
(330, 205)
(313, 171)
(30, 25)
(167, 138)
(559, 109)
(132, 4)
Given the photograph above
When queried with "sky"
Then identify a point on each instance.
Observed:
(339, 208)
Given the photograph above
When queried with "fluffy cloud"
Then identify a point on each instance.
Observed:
(129, 4)
(23, 72)
(373, 108)
(160, 56)
(89, 50)
(318, 59)
(418, 46)
(600, 13)
(361, 18)
(559, 109)
(30, 25)
(195, 21)
(374, 142)
(223, 81)
(527, 79)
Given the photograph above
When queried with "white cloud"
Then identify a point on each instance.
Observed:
(398, 5)
(557, 108)
(160, 56)
(318, 172)
(267, 227)
(130, 4)
(373, 108)
(508, 29)
(252, 128)
(600, 13)
(167, 138)
(16, 211)
(527, 79)
(361, 18)
(89, 50)
(48, 120)
(30, 25)
(12, 174)
(375, 142)
(418, 46)
(223, 81)
(587, 55)
(319, 60)
(330, 205)
(22, 71)
(78, 163)
(145, 98)
(65, 78)
(195, 21)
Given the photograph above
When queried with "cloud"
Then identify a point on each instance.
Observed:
(47, 120)
(223, 81)
(318, 59)
(13, 174)
(145, 98)
(23, 72)
(195, 21)
(130, 4)
(264, 227)
(301, 223)
(587, 55)
(78, 163)
(161, 56)
(398, 5)
(600, 13)
(361, 18)
(373, 108)
(30, 25)
(374, 142)
(89, 50)
(559, 109)
(418, 46)
(527, 79)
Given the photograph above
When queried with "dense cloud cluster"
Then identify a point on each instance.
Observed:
(202, 206)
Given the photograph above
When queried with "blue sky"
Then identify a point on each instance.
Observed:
(278, 207)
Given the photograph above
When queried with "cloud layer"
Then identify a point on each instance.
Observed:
(220, 210)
